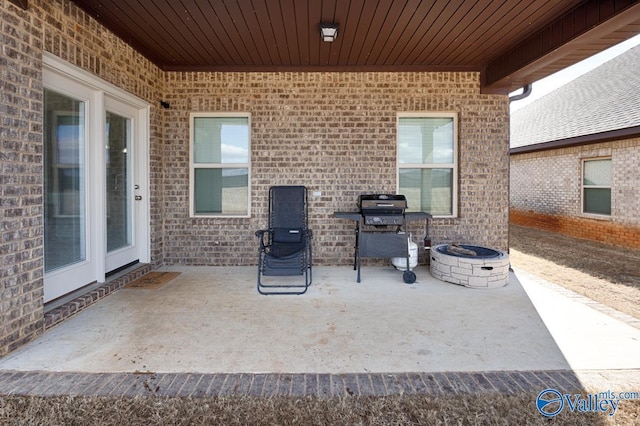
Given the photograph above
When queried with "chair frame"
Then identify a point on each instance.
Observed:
(266, 239)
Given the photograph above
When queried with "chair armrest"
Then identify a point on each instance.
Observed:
(261, 235)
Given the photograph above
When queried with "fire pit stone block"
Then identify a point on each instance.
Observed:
(470, 271)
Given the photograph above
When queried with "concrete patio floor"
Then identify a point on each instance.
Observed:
(212, 320)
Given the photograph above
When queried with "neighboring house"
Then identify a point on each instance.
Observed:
(575, 156)
(147, 133)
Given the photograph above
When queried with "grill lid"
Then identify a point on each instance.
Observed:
(382, 204)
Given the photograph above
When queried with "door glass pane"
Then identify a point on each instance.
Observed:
(429, 190)
(64, 176)
(118, 135)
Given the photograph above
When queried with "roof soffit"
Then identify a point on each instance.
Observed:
(509, 43)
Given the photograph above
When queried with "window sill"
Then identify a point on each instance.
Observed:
(605, 218)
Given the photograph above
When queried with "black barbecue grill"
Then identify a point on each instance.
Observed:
(381, 229)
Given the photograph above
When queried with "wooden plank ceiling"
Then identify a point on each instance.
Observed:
(511, 42)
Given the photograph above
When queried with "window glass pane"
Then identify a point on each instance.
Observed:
(221, 191)
(597, 200)
(221, 140)
(64, 175)
(597, 172)
(425, 140)
(428, 190)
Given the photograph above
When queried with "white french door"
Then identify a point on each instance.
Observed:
(68, 253)
(122, 190)
(95, 179)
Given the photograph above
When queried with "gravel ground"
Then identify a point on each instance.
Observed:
(604, 273)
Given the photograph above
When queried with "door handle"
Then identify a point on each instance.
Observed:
(138, 197)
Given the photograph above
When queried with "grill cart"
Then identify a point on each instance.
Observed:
(381, 229)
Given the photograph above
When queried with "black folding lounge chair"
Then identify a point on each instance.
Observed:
(285, 247)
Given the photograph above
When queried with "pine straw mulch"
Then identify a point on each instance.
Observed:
(484, 409)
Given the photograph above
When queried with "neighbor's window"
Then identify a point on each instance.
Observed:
(596, 186)
(220, 164)
(427, 162)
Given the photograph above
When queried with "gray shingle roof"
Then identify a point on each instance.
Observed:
(602, 100)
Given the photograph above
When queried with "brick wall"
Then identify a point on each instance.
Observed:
(580, 227)
(59, 27)
(21, 230)
(336, 134)
(546, 192)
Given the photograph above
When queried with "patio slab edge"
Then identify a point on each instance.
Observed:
(194, 385)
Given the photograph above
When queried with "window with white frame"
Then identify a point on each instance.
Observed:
(220, 164)
(427, 162)
(596, 186)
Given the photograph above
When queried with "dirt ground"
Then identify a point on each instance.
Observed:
(604, 273)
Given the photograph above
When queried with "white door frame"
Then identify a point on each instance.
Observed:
(58, 75)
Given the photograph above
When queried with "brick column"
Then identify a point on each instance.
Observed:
(21, 174)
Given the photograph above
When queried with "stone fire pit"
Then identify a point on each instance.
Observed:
(470, 266)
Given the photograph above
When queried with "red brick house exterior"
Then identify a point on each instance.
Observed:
(334, 132)
(594, 117)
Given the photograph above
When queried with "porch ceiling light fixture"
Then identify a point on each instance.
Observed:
(329, 32)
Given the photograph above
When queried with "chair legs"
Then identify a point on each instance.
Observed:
(280, 286)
